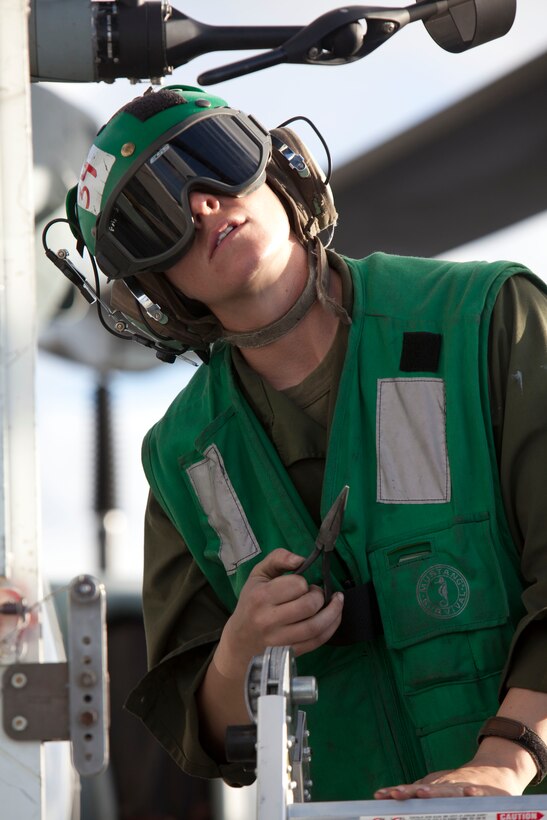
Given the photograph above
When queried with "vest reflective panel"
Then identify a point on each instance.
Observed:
(226, 516)
(411, 457)
(424, 519)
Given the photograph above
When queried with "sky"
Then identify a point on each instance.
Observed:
(356, 107)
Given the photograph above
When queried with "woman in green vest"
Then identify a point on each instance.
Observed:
(418, 383)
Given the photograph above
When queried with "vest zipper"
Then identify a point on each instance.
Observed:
(409, 752)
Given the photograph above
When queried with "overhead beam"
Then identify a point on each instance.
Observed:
(474, 168)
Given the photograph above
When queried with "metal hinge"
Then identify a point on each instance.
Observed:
(67, 701)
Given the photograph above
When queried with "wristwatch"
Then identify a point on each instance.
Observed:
(519, 733)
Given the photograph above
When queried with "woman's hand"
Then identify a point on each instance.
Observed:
(276, 609)
(499, 767)
(467, 781)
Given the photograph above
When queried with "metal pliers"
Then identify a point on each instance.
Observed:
(326, 541)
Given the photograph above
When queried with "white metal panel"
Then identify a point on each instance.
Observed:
(440, 808)
(21, 764)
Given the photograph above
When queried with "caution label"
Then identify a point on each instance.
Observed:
(520, 815)
(489, 815)
(452, 816)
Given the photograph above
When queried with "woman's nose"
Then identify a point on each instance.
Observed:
(202, 204)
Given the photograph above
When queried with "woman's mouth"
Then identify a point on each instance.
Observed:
(223, 234)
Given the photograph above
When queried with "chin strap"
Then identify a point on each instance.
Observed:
(316, 289)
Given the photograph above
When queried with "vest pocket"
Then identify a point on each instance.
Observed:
(446, 621)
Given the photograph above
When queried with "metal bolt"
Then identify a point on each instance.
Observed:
(19, 723)
(85, 587)
(19, 680)
(88, 718)
(388, 27)
(88, 679)
(203, 103)
(307, 795)
(156, 316)
(127, 149)
(120, 326)
(62, 253)
(313, 53)
(304, 690)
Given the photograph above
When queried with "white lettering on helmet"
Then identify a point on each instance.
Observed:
(160, 153)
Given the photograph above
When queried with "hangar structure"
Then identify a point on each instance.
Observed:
(472, 169)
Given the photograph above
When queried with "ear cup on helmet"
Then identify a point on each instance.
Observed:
(307, 195)
(189, 322)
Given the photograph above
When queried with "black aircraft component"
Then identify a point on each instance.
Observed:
(87, 41)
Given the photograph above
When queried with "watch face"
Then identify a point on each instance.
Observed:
(511, 728)
(503, 727)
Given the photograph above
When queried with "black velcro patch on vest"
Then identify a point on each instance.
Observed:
(421, 352)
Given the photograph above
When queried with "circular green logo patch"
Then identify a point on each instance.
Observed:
(442, 591)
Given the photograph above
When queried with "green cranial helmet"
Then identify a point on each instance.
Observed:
(131, 202)
(131, 206)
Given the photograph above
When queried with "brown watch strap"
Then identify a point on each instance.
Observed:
(519, 733)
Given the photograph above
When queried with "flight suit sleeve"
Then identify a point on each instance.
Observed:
(518, 386)
(183, 621)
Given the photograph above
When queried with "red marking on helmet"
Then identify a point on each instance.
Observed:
(83, 194)
(88, 169)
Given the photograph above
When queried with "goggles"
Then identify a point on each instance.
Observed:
(147, 224)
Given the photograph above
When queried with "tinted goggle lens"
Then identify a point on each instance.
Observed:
(150, 216)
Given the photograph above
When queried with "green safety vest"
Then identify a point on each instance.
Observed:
(411, 436)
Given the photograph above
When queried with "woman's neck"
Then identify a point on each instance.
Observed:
(290, 359)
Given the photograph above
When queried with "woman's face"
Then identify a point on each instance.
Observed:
(241, 247)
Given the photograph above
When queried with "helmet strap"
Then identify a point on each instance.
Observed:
(316, 288)
(322, 286)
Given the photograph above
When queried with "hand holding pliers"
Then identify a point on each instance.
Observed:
(326, 541)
